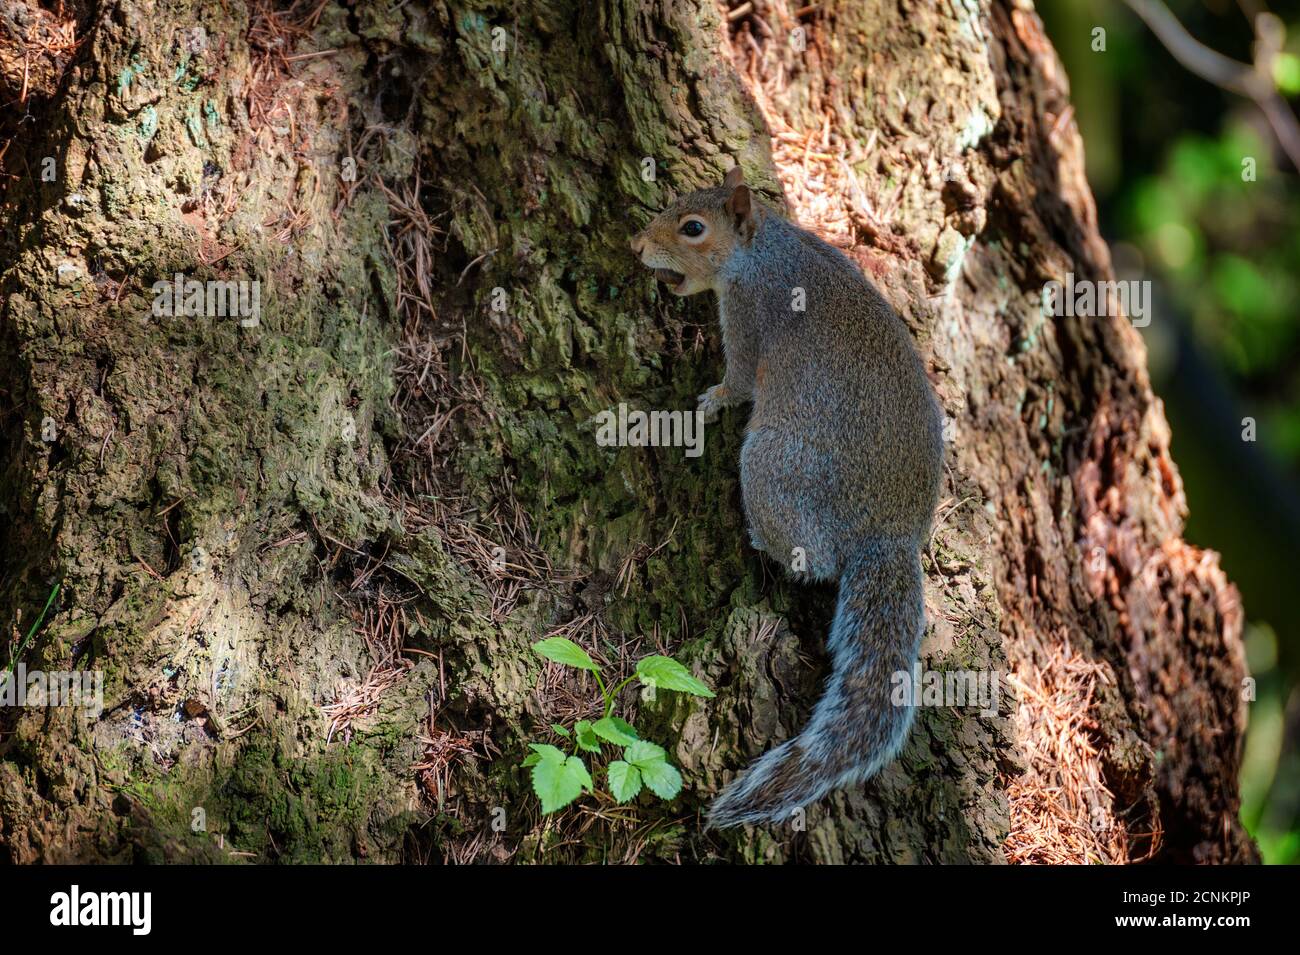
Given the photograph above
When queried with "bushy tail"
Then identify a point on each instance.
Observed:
(855, 728)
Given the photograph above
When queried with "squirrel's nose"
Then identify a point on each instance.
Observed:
(636, 242)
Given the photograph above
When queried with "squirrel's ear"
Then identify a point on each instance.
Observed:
(735, 177)
(740, 207)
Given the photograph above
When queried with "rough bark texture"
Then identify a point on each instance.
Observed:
(248, 522)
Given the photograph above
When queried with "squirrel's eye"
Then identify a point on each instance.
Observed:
(692, 228)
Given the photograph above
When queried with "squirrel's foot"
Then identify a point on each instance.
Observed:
(713, 401)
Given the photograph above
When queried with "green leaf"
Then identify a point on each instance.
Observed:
(546, 751)
(615, 730)
(559, 781)
(643, 752)
(624, 727)
(652, 762)
(662, 778)
(563, 650)
(624, 780)
(560, 729)
(532, 759)
(587, 739)
(578, 768)
(666, 673)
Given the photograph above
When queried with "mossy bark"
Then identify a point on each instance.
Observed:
(222, 504)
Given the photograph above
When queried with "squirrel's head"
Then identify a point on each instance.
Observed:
(689, 242)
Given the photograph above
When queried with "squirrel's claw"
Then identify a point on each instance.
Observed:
(712, 402)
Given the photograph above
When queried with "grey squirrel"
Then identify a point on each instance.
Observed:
(840, 465)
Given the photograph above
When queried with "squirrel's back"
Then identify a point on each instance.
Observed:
(838, 366)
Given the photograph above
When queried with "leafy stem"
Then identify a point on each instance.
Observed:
(609, 700)
(559, 778)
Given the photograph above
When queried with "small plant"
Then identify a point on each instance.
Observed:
(559, 777)
(15, 654)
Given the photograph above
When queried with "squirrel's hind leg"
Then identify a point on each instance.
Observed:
(781, 490)
(767, 533)
(791, 559)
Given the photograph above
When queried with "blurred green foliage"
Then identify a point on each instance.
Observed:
(1229, 247)
(1194, 195)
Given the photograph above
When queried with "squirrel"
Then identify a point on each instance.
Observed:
(840, 466)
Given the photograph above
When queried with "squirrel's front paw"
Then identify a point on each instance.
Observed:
(713, 401)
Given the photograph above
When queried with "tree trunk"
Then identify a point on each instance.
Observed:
(309, 553)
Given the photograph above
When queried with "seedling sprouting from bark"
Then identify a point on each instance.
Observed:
(559, 777)
(16, 654)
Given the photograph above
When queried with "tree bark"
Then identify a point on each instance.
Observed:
(310, 555)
